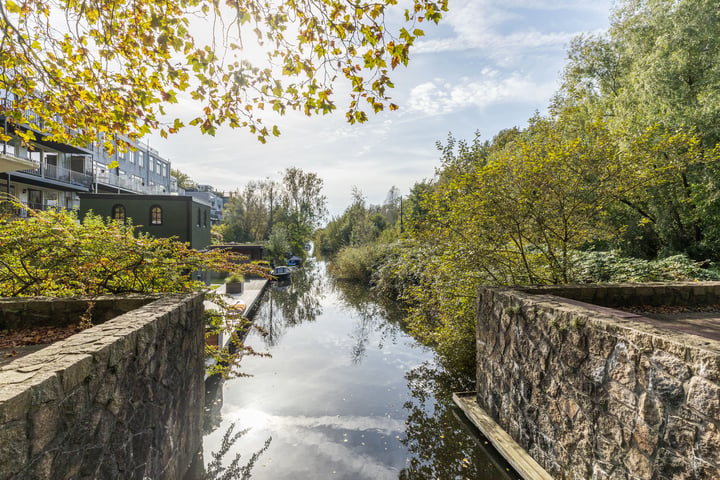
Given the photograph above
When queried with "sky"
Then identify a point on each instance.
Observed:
(488, 66)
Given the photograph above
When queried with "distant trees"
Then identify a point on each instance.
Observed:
(361, 224)
(183, 179)
(287, 211)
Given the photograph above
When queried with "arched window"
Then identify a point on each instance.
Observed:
(118, 213)
(156, 215)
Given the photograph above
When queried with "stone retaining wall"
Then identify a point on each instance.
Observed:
(58, 312)
(121, 400)
(592, 395)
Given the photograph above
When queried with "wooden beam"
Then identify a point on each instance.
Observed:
(521, 461)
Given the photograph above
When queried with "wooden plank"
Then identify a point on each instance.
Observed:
(521, 461)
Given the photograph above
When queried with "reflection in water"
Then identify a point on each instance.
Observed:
(347, 394)
(292, 303)
(442, 443)
(370, 317)
(218, 469)
(213, 403)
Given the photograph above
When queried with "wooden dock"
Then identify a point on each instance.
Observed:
(515, 455)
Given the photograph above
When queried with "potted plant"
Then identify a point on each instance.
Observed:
(234, 283)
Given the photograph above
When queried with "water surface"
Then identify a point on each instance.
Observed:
(347, 394)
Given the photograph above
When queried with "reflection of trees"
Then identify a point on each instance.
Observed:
(372, 316)
(291, 304)
(441, 443)
(219, 469)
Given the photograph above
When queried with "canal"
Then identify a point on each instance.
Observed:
(347, 394)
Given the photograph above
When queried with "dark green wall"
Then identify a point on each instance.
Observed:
(180, 215)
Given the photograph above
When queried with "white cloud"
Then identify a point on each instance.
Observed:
(441, 97)
(488, 27)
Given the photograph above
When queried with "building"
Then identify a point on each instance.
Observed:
(161, 216)
(140, 170)
(46, 174)
(206, 193)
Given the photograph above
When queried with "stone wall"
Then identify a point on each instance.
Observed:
(120, 400)
(58, 312)
(593, 394)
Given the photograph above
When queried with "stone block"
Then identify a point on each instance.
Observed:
(668, 389)
(622, 395)
(706, 365)
(609, 430)
(670, 466)
(44, 424)
(704, 469)
(47, 390)
(651, 410)
(621, 368)
(638, 465)
(670, 364)
(14, 448)
(708, 445)
(680, 435)
(645, 437)
(704, 397)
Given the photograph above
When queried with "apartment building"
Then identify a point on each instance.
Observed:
(47, 174)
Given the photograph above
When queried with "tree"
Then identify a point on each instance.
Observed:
(657, 71)
(249, 213)
(303, 206)
(77, 69)
(184, 180)
(657, 65)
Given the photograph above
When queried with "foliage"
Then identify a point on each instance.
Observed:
(277, 246)
(303, 206)
(184, 180)
(52, 253)
(284, 214)
(613, 267)
(234, 471)
(357, 263)
(617, 183)
(77, 69)
(248, 216)
(361, 224)
(657, 68)
(517, 211)
(234, 278)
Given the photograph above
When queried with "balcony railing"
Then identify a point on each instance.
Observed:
(62, 174)
(105, 177)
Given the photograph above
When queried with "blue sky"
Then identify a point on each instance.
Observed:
(488, 66)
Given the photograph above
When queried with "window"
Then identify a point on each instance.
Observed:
(198, 218)
(205, 219)
(118, 213)
(156, 215)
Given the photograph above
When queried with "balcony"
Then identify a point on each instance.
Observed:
(106, 178)
(11, 163)
(61, 174)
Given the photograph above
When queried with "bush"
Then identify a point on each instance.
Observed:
(612, 267)
(357, 264)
